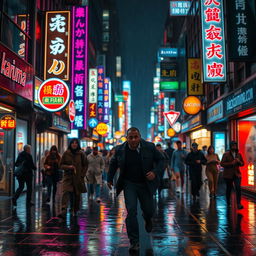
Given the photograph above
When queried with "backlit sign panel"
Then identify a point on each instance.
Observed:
(57, 40)
(195, 86)
(101, 77)
(80, 64)
(106, 100)
(169, 85)
(179, 8)
(213, 41)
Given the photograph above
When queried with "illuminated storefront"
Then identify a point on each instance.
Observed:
(240, 107)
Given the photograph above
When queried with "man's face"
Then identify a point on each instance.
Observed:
(133, 139)
(95, 152)
(194, 148)
(179, 146)
(234, 147)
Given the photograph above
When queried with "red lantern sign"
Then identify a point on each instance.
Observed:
(8, 122)
(72, 111)
(53, 95)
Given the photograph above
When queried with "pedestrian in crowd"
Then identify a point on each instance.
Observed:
(140, 165)
(104, 156)
(169, 152)
(231, 161)
(178, 166)
(204, 176)
(194, 160)
(74, 163)
(165, 166)
(94, 174)
(212, 170)
(88, 151)
(52, 166)
(42, 170)
(26, 159)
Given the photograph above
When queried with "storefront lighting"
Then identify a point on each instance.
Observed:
(5, 109)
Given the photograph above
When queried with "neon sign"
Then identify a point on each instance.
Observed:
(213, 41)
(79, 65)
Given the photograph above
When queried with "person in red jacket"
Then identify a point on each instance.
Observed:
(231, 161)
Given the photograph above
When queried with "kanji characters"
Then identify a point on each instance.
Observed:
(58, 89)
(57, 46)
(58, 23)
(212, 14)
(213, 33)
(215, 70)
(214, 50)
(210, 2)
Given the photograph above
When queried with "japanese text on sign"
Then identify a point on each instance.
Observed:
(79, 65)
(214, 58)
(101, 93)
(195, 86)
(57, 37)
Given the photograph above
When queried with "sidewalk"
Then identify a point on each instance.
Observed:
(181, 227)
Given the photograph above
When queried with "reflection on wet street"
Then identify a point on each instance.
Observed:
(181, 227)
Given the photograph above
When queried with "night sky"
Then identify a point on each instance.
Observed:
(141, 32)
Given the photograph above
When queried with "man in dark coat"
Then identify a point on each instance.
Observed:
(27, 175)
(194, 160)
(140, 165)
(232, 160)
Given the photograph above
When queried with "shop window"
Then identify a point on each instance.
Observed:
(247, 147)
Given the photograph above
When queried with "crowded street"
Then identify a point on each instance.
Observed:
(181, 227)
(127, 127)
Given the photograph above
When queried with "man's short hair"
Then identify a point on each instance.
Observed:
(26, 147)
(132, 129)
(95, 149)
(158, 145)
(178, 142)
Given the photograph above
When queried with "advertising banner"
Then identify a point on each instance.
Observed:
(16, 75)
(57, 41)
(101, 93)
(213, 41)
(195, 86)
(80, 64)
(241, 30)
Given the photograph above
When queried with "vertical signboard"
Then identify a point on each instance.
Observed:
(213, 41)
(166, 109)
(106, 100)
(79, 64)
(93, 92)
(195, 87)
(100, 93)
(127, 90)
(57, 40)
(22, 22)
(241, 30)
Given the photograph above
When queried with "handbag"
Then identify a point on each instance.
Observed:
(19, 170)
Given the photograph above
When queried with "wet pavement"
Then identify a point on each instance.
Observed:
(181, 227)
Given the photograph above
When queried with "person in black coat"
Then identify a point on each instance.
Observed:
(27, 175)
(194, 160)
(140, 165)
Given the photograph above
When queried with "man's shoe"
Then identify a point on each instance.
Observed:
(148, 225)
(239, 206)
(14, 202)
(135, 247)
(98, 200)
(48, 200)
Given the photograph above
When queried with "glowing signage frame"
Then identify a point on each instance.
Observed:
(80, 64)
(106, 100)
(213, 41)
(57, 45)
(101, 93)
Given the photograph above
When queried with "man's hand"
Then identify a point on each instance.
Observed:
(198, 161)
(150, 175)
(110, 184)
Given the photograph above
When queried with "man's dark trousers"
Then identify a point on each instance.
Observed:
(132, 193)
